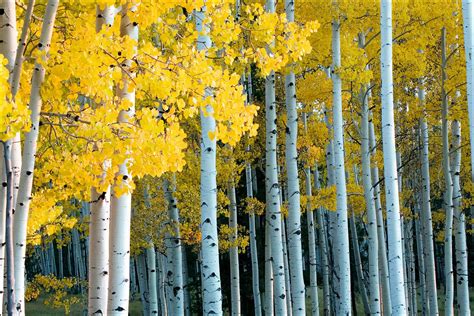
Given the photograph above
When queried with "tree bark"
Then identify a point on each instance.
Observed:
(28, 161)
(397, 282)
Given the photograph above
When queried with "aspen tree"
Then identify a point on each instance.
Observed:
(210, 274)
(397, 290)
(294, 213)
(28, 160)
(342, 229)
(98, 272)
(121, 202)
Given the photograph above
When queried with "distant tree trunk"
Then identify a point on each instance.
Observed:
(286, 268)
(382, 250)
(397, 282)
(342, 230)
(323, 244)
(448, 189)
(151, 281)
(143, 283)
(313, 277)
(174, 266)
(253, 246)
(428, 248)
(234, 251)
(28, 161)
(420, 255)
(187, 299)
(373, 244)
(268, 266)
(161, 284)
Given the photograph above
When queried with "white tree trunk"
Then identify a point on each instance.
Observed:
(342, 229)
(268, 265)
(448, 190)
(287, 266)
(234, 252)
(28, 161)
(121, 206)
(152, 286)
(253, 246)
(211, 280)
(426, 219)
(397, 290)
(383, 263)
(421, 261)
(462, 284)
(98, 273)
(294, 213)
(313, 277)
(143, 282)
(174, 266)
(161, 284)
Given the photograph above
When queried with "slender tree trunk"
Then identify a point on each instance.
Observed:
(421, 261)
(234, 251)
(313, 277)
(175, 259)
(342, 229)
(121, 205)
(397, 290)
(143, 283)
(11, 161)
(152, 286)
(373, 244)
(448, 191)
(323, 244)
(161, 284)
(99, 221)
(294, 213)
(7, 155)
(187, 299)
(253, 246)
(462, 282)
(268, 266)
(286, 267)
(358, 265)
(211, 287)
(426, 219)
(28, 161)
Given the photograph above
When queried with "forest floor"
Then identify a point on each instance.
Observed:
(38, 308)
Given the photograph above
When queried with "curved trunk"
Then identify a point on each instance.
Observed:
(28, 161)
(397, 282)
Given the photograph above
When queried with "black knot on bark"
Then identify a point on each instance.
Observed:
(2, 11)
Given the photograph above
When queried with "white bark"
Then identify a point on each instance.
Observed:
(28, 161)
(397, 290)
(448, 190)
(151, 275)
(161, 284)
(121, 206)
(143, 282)
(383, 262)
(426, 218)
(10, 160)
(462, 284)
(268, 265)
(287, 266)
(294, 212)
(211, 280)
(174, 266)
(253, 246)
(234, 252)
(98, 273)
(342, 229)
(421, 261)
(313, 277)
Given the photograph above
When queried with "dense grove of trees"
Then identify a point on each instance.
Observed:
(237, 157)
